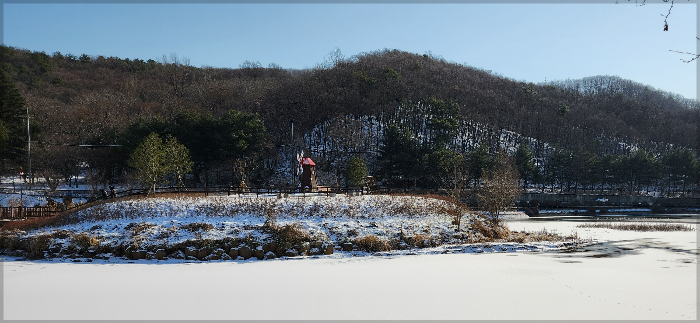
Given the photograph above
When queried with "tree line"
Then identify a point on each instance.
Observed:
(445, 117)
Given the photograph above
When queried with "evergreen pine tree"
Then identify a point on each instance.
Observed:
(12, 130)
(525, 162)
(355, 172)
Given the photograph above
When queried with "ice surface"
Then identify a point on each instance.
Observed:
(655, 279)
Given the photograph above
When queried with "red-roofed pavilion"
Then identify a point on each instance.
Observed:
(308, 174)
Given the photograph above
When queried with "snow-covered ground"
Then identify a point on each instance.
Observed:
(411, 225)
(627, 275)
(168, 221)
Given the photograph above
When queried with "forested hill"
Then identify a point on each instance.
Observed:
(610, 85)
(86, 99)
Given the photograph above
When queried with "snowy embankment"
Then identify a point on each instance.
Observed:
(626, 275)
(227, 228)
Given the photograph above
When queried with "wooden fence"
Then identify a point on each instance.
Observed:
(93, 198)
(22, 213)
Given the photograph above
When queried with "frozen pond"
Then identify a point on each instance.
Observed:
(625, 275)
(688, 218)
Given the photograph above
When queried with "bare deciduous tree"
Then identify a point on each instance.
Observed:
(500, 187)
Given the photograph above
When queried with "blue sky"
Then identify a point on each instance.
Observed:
(528, 42)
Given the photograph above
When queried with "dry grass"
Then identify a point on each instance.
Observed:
(288, 235)
(31, 224)
(538, 236)
(420, 240)
(84, 241)
(404, 207)
(61, 234)
(405, 204)
(642, 227)
(293, 233)
(489, 231)
(94, 211)
(372, 243)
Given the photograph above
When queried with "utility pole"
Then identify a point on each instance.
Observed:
(29, 149)
(29, 146)
(291, 180)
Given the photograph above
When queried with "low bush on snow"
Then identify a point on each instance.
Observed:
(538, 236)
(84, 241)
(37, 246)
(372, 243)
(418, 240)
(288, 235)
(487, 230)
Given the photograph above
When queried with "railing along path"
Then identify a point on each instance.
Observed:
(12, 213)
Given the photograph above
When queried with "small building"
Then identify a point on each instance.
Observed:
(308, 174)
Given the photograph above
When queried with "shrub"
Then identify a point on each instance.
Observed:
(84, 241)
(419, 240)
(31, 223)
(489, 230)
(519, 237)
(37, 246)
(372, 243)
(271, 214)
(543, 235)
(289, 235)
(61, 234)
